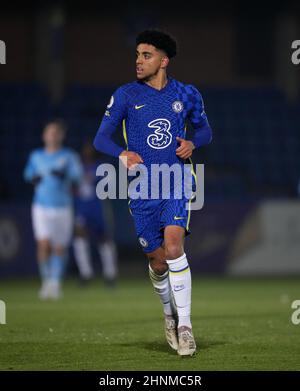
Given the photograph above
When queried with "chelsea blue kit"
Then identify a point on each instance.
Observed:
(88, 208)
(151, 120)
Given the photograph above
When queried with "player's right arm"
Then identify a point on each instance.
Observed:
(30, 172)
(199, 121)
(115, 112)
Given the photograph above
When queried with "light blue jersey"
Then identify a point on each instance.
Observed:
(53, 190)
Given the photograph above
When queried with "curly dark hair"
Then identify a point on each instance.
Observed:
(160, 40)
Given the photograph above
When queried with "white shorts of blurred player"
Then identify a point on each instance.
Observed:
(53, 224)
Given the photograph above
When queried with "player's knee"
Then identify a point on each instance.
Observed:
(173, 250)
(59, 250)
(44, 249)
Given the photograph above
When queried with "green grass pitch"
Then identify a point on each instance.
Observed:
(239, 324)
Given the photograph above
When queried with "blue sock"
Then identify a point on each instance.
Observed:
(57, 267)
(44, 269)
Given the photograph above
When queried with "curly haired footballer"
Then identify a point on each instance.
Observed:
(154, 110)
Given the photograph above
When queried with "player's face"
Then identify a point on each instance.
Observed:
(53, 136)
(149, 61)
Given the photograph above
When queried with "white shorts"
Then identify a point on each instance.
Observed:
(53, 224)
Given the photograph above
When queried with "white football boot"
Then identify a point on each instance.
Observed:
(44, 291)
(55, 291)
(186, 342)
(171, 332)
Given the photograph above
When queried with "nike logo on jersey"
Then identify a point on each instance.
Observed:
(178, 218)
(138, 107)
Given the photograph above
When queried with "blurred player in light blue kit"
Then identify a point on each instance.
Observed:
(91, 223)
(53, 170)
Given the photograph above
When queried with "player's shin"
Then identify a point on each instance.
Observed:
(181, 284)
(162, 287)
(57, 268)
(44, 269)
(108, 255)
(82, 257)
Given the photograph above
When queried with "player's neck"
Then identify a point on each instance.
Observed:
(159, 81)
(52, 148)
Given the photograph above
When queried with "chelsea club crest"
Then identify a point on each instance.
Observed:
(177, 106)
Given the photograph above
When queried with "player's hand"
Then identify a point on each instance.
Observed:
(185, 150)
(130, 159)
(36, 180)
(60, 174)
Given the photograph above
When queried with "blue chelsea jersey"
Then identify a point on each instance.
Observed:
(152, 119)
(86, 191)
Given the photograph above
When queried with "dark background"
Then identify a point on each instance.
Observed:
(66, 59)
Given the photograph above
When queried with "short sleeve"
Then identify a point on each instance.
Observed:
(30, 169)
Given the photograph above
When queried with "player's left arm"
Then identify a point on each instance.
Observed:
(31, 174)
(202, 129)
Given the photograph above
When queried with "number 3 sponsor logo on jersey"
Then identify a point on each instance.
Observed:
(161, 138)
